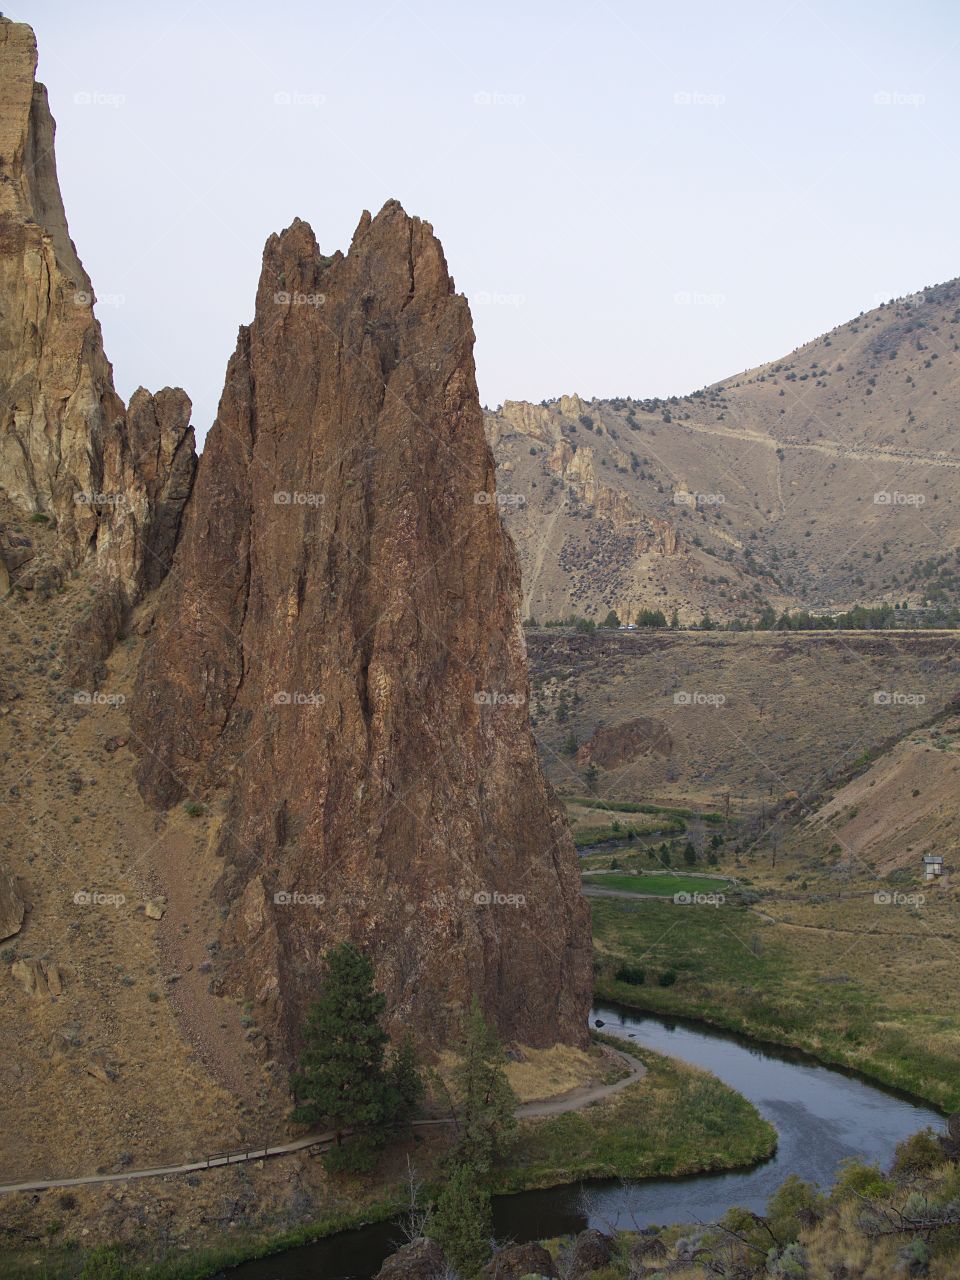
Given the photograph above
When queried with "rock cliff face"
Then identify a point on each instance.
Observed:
(339, 652)
(113, 493)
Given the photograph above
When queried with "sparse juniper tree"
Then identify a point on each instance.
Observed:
(487, 1102)
(343, 1078)
(461, 1222)
(690, 854)
(591, 776)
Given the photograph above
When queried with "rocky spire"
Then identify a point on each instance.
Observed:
(338, 659)
(65, 450)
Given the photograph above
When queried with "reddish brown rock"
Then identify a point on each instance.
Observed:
(618, 744)
(339, 652)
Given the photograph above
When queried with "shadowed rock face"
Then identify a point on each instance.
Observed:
(65, 449)
(339, 651)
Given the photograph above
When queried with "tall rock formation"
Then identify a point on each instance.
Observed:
(114, 493)
(339, 655)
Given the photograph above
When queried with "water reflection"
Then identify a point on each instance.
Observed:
(823, 1116)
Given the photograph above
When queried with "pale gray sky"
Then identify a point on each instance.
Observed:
(639, 198)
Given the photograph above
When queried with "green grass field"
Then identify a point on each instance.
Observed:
(865, 1003)
(676, 1120)
(663, 884)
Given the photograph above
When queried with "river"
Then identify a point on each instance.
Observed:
(822, 1116)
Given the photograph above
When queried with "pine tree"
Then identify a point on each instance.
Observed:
(461, 1222)
(487, 1101)
(405, 1080)
(342, 1080)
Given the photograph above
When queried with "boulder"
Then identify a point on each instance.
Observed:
(518, 1260)
(419, 1260)
(29, 973)
(590, 1251)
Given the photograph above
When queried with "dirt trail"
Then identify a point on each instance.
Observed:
(830, 447)
(209, 1023)
(573, 1100)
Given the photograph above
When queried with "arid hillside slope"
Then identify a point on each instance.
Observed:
(693, 717)
(828, 477)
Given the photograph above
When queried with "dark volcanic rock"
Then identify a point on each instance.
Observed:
(589, 1252)
(419, 1260)
(339, 650)
(518, 1260)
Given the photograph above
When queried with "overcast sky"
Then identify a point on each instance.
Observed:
(638, 198)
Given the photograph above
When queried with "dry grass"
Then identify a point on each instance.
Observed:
(546, 1073)
(797, 710)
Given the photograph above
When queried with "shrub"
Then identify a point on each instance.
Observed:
(631, 973)
(916, 1154)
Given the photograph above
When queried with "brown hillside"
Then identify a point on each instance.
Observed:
(761, 488)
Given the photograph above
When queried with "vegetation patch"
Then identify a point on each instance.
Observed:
(782, 983)
(660, 883)
(676, 1120)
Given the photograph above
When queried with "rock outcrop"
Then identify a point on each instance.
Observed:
(341, 655)
(515, 1261)
(418, 1260)
(614, 745)
(114, 492)
(11, 906)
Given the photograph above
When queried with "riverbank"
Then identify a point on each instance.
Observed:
(812, 988)
(675, 1120)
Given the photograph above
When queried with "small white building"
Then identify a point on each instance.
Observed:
(932, 866)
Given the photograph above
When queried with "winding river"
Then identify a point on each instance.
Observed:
(822, 1116)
